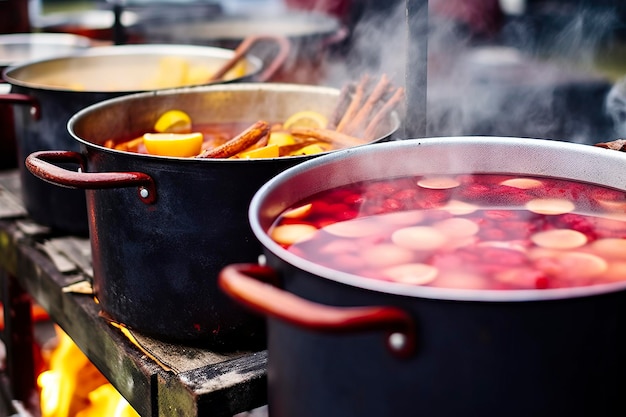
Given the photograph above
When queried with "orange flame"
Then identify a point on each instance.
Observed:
(73, 386)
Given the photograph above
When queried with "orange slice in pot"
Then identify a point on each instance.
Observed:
(306, 118)
(173, 144)
(173, 121)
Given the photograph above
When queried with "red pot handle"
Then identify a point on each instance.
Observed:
(284, 46)
(23, 99)
(38, 163)
(249, 285)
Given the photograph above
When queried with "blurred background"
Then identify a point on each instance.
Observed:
(536, 68)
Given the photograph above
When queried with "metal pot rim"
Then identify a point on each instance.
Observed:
(414, 291)
(131, 50)
(49, 40)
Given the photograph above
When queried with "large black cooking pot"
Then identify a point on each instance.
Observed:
(17, 48)
(161, 227)
(344, 345)
(48, 92)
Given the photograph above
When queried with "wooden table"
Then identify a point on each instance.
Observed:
(157, 378)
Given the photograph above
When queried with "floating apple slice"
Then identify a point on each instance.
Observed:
(413, 274)
(387, 254)
(619, 206)
(407, 217)
(550, 206)
(522, 183)
(578, 265)
(461, 280)
(355, 228)
(559, 239)
(289, 234)
(459, 208)
(420, 238)
(298, 212)
(438, 183)
(616, 271)
(613, 248)
(457, 227)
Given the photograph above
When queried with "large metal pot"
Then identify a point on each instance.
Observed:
(48, 92)
(313, 37)
(162, 228)
(18, 48)
(344, 345)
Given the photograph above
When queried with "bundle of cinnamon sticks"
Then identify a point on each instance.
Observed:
(362, 107)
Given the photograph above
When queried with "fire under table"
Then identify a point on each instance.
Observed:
(156, 378)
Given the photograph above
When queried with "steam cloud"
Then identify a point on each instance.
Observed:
(536, 78)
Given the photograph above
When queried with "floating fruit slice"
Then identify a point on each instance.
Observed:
(613, 248)
(268, 151)
(522, 183)
(289, 234)
(309, 150)
(550, 206)
(559, 239)
(414, 274)
(173, 144)
(419, 238)
(306, 118)
(386, 255)
(355, 228)
(298, 212)
(438, 183)
(459, 208)
(280, 139)
(173, 121)
(581, 265)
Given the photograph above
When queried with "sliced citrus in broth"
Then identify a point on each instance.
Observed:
(306, 118)
(173, 121)
(173, 144)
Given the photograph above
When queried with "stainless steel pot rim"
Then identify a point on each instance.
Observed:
(419, 291)
(131, 50)
(234, 87)
(17, 47)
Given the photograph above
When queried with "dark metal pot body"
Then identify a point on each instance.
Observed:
(45, 101)
(478, 353)
(18, 48)
(156, 259)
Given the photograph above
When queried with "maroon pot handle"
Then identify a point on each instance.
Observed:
(248, 284)
(39, 164)
(284, 46)
(23, 99)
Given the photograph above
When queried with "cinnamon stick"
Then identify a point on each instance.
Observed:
(342, 105)
(358, 123)
(327, 135)
(240, 142)
(355, 104)
(382, 113)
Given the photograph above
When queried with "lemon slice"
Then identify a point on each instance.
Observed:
(173, 121)
(307, 118)
(269, 151)
(173, 144)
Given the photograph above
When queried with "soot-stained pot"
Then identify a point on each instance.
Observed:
(161, 228)
(17, 48)
(46, 93)
(345, 345)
